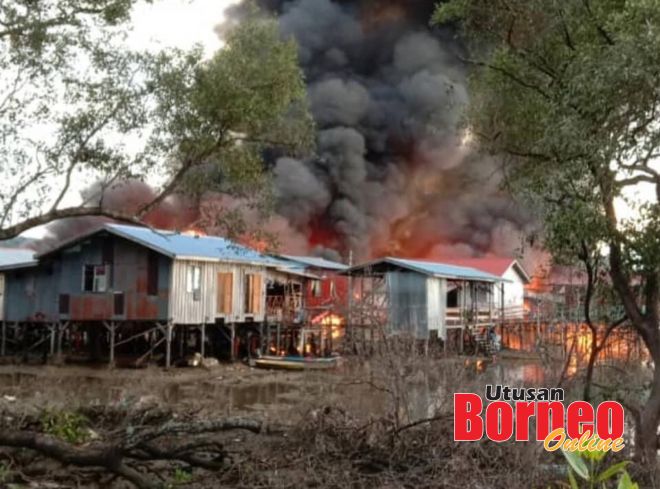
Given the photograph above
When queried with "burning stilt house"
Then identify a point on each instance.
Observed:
(329, 293)
(326, 302)
(414, 298)
(122, 285)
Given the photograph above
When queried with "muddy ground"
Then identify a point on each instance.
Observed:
(225, 390)
(361, 425)
(241, 390)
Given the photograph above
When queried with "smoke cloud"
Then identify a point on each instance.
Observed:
(391, 175)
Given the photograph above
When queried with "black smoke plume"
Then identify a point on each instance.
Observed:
(392, 174)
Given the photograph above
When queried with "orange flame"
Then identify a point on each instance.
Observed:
(194, 232)
(334, 321)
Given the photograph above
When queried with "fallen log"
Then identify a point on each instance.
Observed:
(119, 455)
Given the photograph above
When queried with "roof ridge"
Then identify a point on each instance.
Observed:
(175, 233)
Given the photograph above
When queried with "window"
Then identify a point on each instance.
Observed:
(152, 273)
(452, 298)
(253, 286)
(194, 281)
(225, 293)
(64, 304)
(119, 304)
(316, 288)
(96, 278)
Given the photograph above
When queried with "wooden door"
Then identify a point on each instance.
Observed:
(225, 291)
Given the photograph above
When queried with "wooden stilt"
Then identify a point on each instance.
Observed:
(203, 345)
(233, 342)
(52, 331)
(168, 344)
(112, 328)
(3, 344)
(261, 338)
(61, 328)
(182, 340)
(278, 341)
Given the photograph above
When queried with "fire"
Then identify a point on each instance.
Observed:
(261, 245)
(194, 232)
(377, 15)
(334, 321)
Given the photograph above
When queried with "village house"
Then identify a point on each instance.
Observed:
(126, 284)
(415, 297)
(510, 296)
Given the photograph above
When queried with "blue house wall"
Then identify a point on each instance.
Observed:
(35, 294)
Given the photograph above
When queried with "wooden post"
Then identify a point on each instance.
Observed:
(182, 339)
(261, 338)
(278, 340)
(111, 327)
(202, 346)
(51, 328)
(60, 330)
(233, 341)
(168, 344)
(3, 345)
(491, 300)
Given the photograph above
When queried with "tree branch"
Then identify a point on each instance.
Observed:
(106, 456)
(15, 230)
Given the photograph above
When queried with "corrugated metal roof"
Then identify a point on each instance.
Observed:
(177, 245)
(184, 246)
(315, 262)
(16, 258)
(435, 269)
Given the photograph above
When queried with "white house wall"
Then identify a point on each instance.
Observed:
(436, 303)
(514, 293)
(185, 310)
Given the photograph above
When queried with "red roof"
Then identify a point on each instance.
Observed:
(494, 265)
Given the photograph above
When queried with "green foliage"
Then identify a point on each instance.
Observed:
(566, 94)
(65, 425)
(589, 468)
(5, 472)
(76, 102)
(182, 476)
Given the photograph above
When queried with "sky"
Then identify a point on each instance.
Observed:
(167, 23)
(178, 23)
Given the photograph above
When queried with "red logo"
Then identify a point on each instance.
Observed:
(511, 411)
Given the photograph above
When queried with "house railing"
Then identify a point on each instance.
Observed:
(284, 307)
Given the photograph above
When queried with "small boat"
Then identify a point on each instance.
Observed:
(295, 362)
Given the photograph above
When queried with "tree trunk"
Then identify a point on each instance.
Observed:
(646, 438)
(593, 356)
